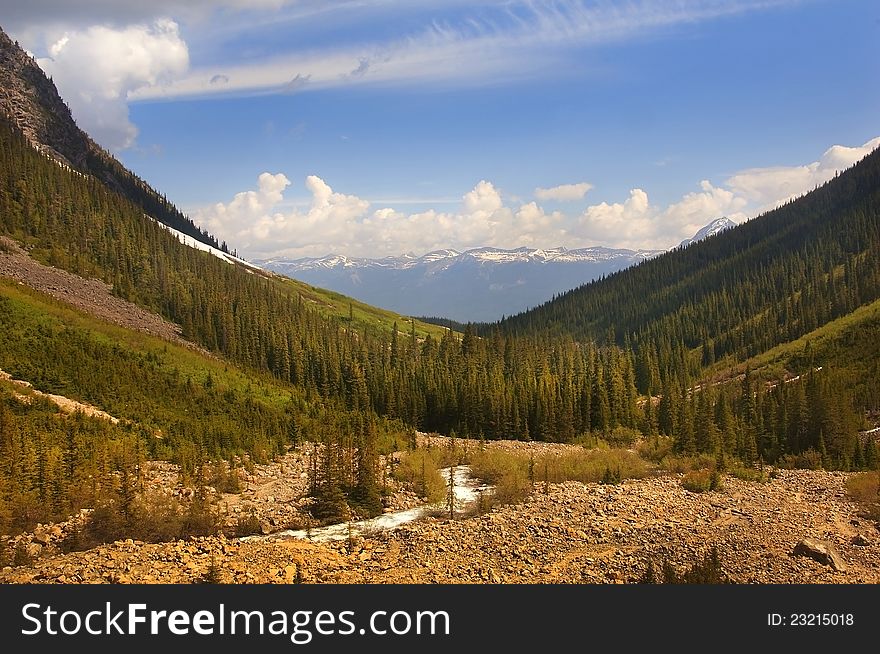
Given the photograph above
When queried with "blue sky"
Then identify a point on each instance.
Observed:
(378, 127)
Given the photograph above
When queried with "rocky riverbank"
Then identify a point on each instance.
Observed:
(575, 533)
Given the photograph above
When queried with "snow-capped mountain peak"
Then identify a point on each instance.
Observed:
(478, 284)
(715, 227)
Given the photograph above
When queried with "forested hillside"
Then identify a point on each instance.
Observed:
(668, 351)
(766, 282)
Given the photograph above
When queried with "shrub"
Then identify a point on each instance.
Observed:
(655, 449)
(623, 437)
(864, 488)
(514, 474)
(706, 571)
(420, 469)
(679, 464)
(247, 525)
(21, 556)
(223, 477)
(809, 460)
(153, 518)
(701, 481)
(214, 575)
(749, 474)
(611, 476)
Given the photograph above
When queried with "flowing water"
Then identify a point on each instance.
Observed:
(467, 492)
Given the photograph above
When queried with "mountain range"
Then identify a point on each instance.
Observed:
(477, 285)
(210, 366)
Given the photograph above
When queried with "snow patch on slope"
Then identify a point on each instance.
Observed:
(204, 247)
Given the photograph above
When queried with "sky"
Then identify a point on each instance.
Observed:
(293, 128)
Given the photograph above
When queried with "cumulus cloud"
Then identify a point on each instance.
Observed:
(334, 222)
(97, 69)
(771, 187)
(684, 218)
(564, 192)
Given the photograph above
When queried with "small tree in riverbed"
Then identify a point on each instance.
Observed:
(450, 494)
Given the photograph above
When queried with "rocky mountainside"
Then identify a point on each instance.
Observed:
(30, 101)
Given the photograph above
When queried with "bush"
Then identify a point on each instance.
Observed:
(701, 481)
(420, 469)
(153, 518)
(247, 525)
(21, 556)
(655, 449)
(224, 477)
(623, 437)
(611, 476)
(809, 460)
(514, 474)
(864, 488)
(706, 571)
(680, 464)
(749, 474)
(214, 575)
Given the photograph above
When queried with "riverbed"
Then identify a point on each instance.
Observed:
(467, 493)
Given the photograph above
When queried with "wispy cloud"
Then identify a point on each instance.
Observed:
(493, 42)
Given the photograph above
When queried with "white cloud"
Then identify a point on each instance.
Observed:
(771, 187)
(687, 216)
(97, 69)
(484, 199)
(84, 13)
(337, 223)
(564, 192)
(619, 223)
(493, 42)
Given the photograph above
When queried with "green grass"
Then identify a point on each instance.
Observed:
(187, 406)
(864, 488)
(351, 311)
(37, 313)
(515, 474)
(850, 342)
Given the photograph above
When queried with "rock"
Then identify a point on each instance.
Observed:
(821, 551)
(41, 536)
(860, 540)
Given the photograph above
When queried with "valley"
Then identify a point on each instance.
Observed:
(566, 532)
(170, 413)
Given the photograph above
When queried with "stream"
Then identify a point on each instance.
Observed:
(467, 492)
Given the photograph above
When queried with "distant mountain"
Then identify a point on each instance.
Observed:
(715, 227)
(478, 285)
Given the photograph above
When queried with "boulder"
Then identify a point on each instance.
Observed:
(821, 551)
(861, 540)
